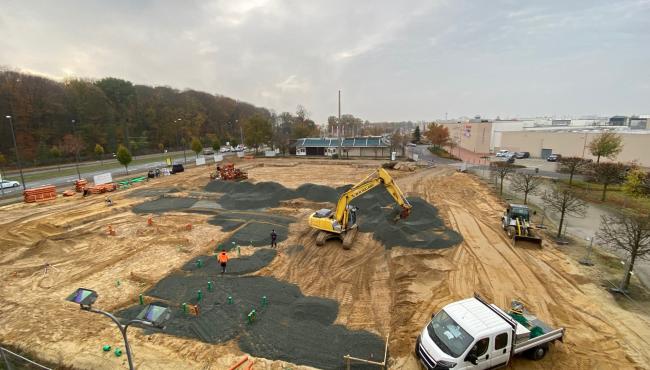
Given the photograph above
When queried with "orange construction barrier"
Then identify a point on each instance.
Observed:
(110, 230)
(40, 194)
(79, 185)
(188, 227)
(238, 364)
(103, 188)
(150, 221)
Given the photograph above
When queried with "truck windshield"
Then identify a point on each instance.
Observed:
(448, 335)
(520, 212)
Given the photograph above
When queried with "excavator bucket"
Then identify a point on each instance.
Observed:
(530, 238)
(401, 213)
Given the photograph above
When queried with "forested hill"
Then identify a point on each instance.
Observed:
(110, 112)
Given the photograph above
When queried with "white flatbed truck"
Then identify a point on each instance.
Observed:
(473, 334)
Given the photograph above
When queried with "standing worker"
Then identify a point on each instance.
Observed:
(274, 237)
(223, 260)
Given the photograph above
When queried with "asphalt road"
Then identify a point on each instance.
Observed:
(117, 170)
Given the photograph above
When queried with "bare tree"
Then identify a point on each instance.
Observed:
(501, 170)
(572, 166)
(607, 174)
(629, 232)
(525, 182)
(564, 200)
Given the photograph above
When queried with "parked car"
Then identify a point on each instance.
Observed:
(176, 168)
(510, 158)
(9, 184)
(553, 157)
(521, 155)
(208, 151)
(224, 149)
(503, 153)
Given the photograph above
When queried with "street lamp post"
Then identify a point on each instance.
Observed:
(13, 135)
(184, 145)
(241, 133)
(153, 315)
(76, 147)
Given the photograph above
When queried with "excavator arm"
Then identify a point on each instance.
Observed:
(381, 176)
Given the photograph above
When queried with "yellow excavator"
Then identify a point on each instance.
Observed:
(341, 222)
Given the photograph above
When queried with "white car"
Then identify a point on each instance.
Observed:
(9, 184)
(503, 153)
(224, 150)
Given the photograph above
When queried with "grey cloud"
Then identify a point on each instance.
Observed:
(393, 60)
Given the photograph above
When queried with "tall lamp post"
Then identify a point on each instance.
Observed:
(13, 135)
(153, 315)
(76, 147)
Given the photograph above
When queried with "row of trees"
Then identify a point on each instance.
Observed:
(53, 119)
(625, 230)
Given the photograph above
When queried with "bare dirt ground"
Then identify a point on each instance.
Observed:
(384, 291)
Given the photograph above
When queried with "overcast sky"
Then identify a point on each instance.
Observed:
(393, 60)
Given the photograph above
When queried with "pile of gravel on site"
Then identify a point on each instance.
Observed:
(247, 195)
(236, 266)
(164, 204)
(423, 229)
(290, 327)
(256, 234)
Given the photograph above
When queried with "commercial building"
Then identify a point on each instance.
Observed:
(543, 136)
(366, 146)
(541, 144)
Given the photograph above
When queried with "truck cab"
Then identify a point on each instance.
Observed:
(472, 334)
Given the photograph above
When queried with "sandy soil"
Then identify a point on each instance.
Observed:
(387, 292)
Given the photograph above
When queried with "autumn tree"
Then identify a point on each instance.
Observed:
(257, 131)
(628, 232)
(526, 183)
(216, 144)
(572, 166)
(608, 174)
(99, 152)
(437, 134)
(501, 170)
(607, 145)
(196, 146)
(637, 183)
(564, 200)
(124, 157)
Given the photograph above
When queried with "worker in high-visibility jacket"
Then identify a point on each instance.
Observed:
(223, 260)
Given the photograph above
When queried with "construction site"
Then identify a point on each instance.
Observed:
(357, 273)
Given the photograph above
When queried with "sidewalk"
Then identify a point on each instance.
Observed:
(469, 156)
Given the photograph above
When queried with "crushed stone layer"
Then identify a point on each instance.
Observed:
(288, 326)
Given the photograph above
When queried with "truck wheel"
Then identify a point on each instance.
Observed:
(537, 353)
(511, 232)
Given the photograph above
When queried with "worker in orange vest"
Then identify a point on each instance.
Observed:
(223, 260)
